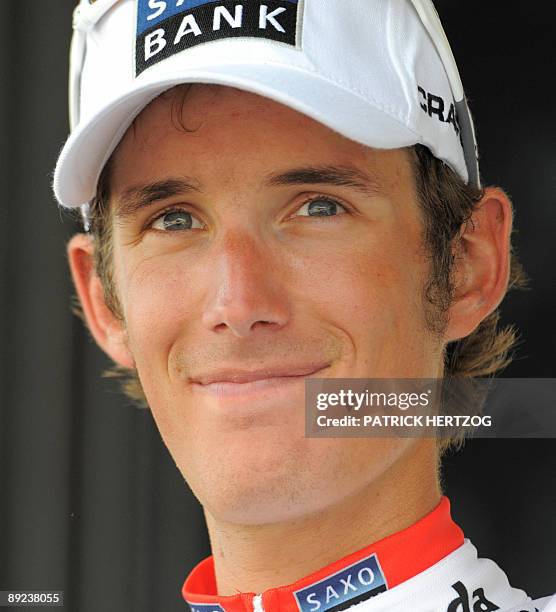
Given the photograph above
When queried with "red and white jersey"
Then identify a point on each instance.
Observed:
(428, 567)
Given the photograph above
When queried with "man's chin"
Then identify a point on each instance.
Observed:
(254, 484)
(259, 504)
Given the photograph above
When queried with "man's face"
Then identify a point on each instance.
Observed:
(260, 244)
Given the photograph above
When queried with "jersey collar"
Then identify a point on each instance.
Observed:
(354, 578)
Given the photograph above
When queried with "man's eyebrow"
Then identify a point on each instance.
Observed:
(342, 176)
(135, 198)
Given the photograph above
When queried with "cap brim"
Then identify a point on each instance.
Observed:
(93, 141)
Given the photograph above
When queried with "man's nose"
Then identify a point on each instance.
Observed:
(245, 289)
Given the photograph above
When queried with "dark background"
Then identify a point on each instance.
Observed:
(90, 501)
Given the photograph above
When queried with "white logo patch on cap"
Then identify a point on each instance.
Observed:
(166, 27)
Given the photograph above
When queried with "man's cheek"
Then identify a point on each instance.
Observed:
(360, 286)
(155, 307)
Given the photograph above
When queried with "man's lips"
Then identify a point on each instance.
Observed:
(238, 376)
(234, 382)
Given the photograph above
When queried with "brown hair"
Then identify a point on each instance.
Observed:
(446, 205)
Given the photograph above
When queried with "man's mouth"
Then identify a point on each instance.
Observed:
(231, 382)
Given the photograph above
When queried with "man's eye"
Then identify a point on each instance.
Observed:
(321, 207)
(175, 220)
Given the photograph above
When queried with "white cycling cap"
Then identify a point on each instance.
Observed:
(379, 72)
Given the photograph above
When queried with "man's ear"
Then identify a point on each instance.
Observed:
(107, 329)
(482, 264)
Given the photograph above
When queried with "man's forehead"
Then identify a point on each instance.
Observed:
(187, 107)
(201, 126)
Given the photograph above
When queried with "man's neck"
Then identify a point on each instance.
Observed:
(254, 558)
